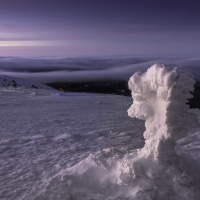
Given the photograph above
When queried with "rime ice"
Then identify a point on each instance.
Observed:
(160, 97)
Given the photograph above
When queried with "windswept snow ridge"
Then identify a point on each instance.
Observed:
(9, 82)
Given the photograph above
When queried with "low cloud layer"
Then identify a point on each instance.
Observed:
(60, 69)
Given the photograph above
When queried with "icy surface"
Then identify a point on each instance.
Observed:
(43, 133)
(74, 146)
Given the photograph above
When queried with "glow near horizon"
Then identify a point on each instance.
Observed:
(39, 43)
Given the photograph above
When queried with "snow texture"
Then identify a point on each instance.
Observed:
(163, 168)
(74, 146)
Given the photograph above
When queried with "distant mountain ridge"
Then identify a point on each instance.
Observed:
(14, 82)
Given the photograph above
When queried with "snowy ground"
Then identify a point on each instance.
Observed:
(45, 132)
(77, 146)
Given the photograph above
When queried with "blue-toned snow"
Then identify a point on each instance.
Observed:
(77, 146)
(45, 132)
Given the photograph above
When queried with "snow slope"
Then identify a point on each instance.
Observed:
(14, 82)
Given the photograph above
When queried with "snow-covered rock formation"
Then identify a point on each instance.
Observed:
(160, 97)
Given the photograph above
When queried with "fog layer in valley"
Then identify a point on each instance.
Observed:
(61, 69)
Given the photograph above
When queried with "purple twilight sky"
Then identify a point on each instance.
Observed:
(99, 27)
